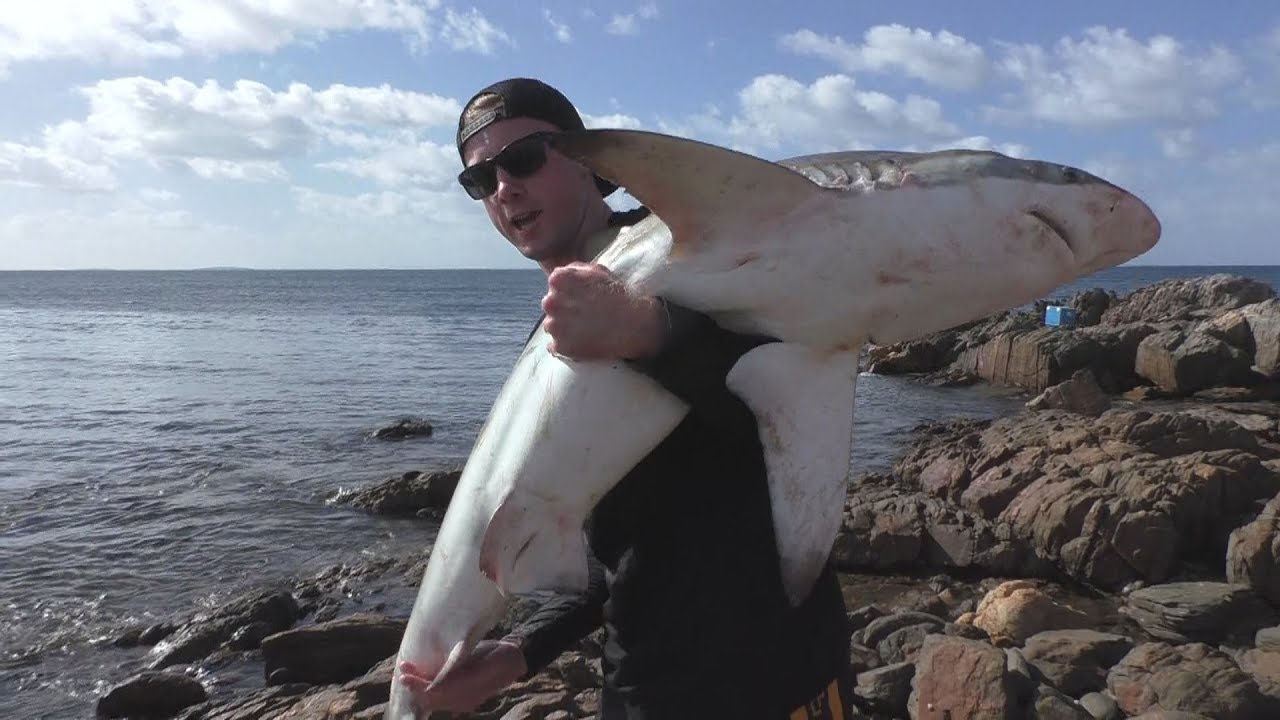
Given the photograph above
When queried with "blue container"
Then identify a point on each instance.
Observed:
(1058, 316)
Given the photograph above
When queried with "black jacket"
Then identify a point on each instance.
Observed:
(686, 577)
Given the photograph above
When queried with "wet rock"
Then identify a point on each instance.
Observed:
(153, 695)
(207, 632)
(1076, 661)
(148, 636)
(1253, 553)
(413, 493)
(1079, 393)
(1018, 609)
(404, 428)
(334, 651)
(1187, 299)
(960, 678)
(269, 703)
(1199, 612)
(1191, 678)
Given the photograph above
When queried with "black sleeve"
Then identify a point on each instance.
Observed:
(695, 356)
(558, 624)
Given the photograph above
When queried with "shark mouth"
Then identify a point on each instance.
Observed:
(1054, 226)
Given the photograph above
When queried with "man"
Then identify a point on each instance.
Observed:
(685, 577)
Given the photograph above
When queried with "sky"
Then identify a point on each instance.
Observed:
(141, 134)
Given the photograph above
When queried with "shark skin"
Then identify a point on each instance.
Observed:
(825, 253)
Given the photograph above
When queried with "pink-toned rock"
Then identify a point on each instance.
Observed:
(1253, 553)
(1079, 393)
(959, 678)
(1018, 609)
(1264, 326)
(1183, 363)
(1264, 668)
(1110, 500)
(1188, 678)
(1187, 299)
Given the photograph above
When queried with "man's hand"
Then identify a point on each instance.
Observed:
(491, 666)
(592, 316)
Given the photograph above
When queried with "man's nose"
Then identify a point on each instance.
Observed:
(508, 185)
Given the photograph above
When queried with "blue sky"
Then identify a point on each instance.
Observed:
(318, 133)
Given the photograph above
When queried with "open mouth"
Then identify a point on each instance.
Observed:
(523, 220)
(1056, 227)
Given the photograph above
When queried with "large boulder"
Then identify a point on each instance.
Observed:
(1187, 299)
(1207, 612)
(1015, 610)
(1253, 553)
(961, 678)
(1192, 678)
(1107, 500)
(1182, 363)
(330, 652)
(1264, 329)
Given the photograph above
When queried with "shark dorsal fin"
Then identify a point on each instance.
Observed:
(689, 184)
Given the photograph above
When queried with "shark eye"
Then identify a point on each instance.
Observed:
(1070, 174)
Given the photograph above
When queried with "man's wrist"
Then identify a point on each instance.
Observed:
(652, 331)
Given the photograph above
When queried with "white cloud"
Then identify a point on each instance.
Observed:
(133, 31)
(982, 142)
(1177, 144)
(396, 164)
(561, 30)
(472, 31)
(628, 23)
(614, 120)
(945, 59)
(1109, 77)
(46, 167)
(832, 114)
(241, 132)
(157, 195)
(249, 170)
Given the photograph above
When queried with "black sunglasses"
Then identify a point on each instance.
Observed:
(520, 159)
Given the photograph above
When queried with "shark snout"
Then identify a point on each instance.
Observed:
(1120, 227)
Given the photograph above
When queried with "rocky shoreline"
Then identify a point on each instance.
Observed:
(1111, 551)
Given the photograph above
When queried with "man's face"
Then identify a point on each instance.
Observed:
(542, 214)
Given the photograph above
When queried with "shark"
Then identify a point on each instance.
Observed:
(825, 253)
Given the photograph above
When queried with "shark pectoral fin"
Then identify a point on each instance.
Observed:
(803, 403)
(691, 185)
(531, 545)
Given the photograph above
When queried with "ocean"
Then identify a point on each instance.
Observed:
(168, 439)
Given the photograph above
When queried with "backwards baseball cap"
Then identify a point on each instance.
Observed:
(517, 98)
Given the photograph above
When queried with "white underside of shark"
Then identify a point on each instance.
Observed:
(823, 253)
